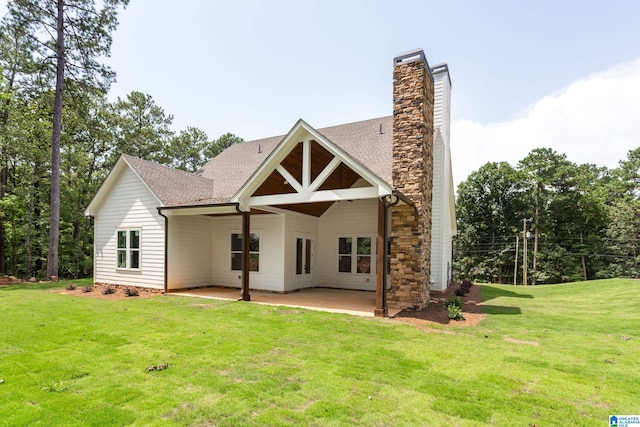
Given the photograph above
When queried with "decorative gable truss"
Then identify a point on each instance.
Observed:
(308, 168)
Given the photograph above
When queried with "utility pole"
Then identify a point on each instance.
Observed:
(515, 269)
(524, 252)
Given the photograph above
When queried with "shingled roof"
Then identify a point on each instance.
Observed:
(367, 142)
(171, 186)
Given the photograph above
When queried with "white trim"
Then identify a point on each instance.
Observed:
(259, 251)
(205, 210)
(303, 132)
(300, 280)
(306, 163)
(283, 212)
(317, 196)
(354, 254)
(328, 170)
(109, 182)
(128, 249)
(289, 178)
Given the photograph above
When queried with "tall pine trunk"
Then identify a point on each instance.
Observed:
(4, 169)
(3, 188)
(54, 222)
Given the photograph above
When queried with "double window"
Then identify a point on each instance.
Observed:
(355, 255)
(128, 252)
(254, 252)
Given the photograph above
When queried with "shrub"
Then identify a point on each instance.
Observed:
(459, 292)
(454, 312)
(466, 285)
(70, 287)
(131, 292)
(457, 301)
(108, 290)
(87, 289)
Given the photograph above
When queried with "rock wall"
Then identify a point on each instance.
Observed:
(412, 175)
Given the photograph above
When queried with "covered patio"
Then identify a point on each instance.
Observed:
(357, 303)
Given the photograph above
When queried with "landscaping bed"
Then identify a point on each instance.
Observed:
(436, 311)
(108, 292)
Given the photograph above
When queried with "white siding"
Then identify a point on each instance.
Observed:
(357, 218)
(190, 251)
(270, 277)
(441, 227)
(299, 224)
(442, 104)
(129, 204)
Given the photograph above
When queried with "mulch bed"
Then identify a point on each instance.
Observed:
(96, 292)
(436, 311)
(9, 280)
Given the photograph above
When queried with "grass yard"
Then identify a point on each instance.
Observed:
(559, 355)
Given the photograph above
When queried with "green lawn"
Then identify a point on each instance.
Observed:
(80, 361)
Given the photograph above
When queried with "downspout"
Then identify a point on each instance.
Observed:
(166, 246)
(390, 201)
(93, 246)
(246, 233)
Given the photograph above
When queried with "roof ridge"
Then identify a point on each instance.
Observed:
(320, 129)
(358, 121)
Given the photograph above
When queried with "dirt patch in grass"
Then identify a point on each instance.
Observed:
(436, 311)
(96, 292)
(516, 341)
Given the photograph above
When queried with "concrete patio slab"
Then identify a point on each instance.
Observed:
(358, 303)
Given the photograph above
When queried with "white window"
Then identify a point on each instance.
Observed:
(355, 255)
(128, 252)
(254, 252)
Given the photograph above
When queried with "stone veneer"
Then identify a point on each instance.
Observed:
(412, 175)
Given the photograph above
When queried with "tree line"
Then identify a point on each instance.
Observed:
(580, 221)
(60, 135)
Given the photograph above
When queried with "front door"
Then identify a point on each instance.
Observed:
(304, 260)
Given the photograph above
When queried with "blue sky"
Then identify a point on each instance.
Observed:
(563, 74)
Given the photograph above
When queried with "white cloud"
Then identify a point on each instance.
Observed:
(595, 120)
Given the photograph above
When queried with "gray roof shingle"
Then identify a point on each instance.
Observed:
(368, 142)
(172, 186)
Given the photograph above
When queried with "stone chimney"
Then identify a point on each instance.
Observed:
(412, 175)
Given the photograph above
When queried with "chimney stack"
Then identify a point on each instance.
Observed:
(412, 175)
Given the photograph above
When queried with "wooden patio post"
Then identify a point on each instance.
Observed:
(246, 240)
(381, 305)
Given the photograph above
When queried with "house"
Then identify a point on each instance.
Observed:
(366, 205)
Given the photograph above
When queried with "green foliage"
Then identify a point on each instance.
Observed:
(454, 312)
(185, 149)
(457, 301)
(623, 235)
(577, 229)
(454, 308)
(222, 143)
(490, 206)
(140, 128)
(94, 134)
(628, 174)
